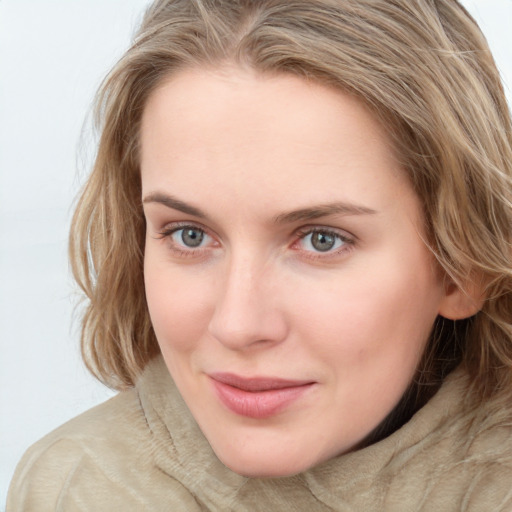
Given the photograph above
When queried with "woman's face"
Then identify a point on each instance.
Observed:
(287, 280)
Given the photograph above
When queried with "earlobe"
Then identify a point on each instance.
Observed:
(459, 303)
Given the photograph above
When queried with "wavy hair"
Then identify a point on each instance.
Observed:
(421, 66)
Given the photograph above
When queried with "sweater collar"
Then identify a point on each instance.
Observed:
(182, 451)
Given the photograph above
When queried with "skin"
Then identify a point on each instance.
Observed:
(237, 152)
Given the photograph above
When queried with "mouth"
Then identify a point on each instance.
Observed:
(258, 397)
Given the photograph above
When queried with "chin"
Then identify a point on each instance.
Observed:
(266, 466)
(269, 469)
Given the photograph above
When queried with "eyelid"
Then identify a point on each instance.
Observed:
(342, 233)
(172, 227)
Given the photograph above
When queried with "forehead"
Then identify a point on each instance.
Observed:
(257, 136)
(201, 101)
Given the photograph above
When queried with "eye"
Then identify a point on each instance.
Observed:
(320, 240)
(187, 240)
(189, 236)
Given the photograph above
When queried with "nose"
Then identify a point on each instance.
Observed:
(248, 313)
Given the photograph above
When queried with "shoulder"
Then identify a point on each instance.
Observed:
(89, 432)
(97, 459)
(78, 446)
(486, 458)
(475, 471)
(465, 463)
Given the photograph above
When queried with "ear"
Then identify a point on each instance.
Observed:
(459, 303)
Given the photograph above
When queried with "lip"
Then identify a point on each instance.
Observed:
(258, 397)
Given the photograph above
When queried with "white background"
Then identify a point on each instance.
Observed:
(53, 55)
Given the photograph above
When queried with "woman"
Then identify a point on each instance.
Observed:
(296, 246)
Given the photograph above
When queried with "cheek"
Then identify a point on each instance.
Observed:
(178, 304)
(368, 315)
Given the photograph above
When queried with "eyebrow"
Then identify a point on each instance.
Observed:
(303, 214)
(323, 210)
(175, 204)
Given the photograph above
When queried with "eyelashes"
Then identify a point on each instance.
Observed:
(313, 242)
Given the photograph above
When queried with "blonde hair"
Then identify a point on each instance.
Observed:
(422, 66)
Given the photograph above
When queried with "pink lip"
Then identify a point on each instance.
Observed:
(257, 397)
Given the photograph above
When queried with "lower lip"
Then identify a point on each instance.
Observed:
(258, 404)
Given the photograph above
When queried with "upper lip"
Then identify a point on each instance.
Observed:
(257, 383)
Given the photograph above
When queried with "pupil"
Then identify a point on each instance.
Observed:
(322, 241)
(192, 237)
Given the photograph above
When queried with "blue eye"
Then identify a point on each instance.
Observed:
(322, 241)
(189, 236)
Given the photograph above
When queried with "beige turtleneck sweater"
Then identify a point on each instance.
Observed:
(143, 451)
